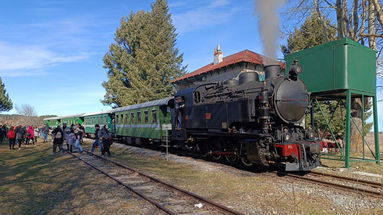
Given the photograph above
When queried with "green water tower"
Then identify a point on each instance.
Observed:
(341, 69)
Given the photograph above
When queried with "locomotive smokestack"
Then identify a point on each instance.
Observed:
(272, 71)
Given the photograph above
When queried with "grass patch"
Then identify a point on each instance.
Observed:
(34, 181)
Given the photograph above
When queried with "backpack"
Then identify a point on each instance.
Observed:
(11, 134)
(58, 135)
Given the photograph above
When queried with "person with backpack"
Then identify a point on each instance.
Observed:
(58, 139)
(11, 138)
(106, 140)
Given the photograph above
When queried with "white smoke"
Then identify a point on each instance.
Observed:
(268, 24)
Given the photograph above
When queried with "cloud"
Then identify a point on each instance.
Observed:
(15, 59)
(204, 16)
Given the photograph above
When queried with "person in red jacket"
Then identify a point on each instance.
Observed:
(11, 137)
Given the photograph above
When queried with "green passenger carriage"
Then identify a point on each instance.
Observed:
(149, 121)
(101, 118)
(52, 121)
(72, 119)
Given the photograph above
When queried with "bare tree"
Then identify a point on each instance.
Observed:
(26, 110)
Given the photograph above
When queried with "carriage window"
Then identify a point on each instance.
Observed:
(132, 117)
(146, 115)
(126, 118)
(138, 116)
(117, 120)
(154, 115)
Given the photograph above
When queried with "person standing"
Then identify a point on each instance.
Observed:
(58, 139)
(97, 139)
(67, 130)
(36, 133)
(30, 135)
(11, 138)
(82, 129)
(19, 135)
(2, 134)
(77, 144)
(24, 134)
(106, 140)
(45, 132)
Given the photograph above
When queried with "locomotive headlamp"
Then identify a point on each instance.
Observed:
(295, 69)
(286, 137)
(309, 134)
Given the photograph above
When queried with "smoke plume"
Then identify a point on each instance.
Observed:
(268, 24)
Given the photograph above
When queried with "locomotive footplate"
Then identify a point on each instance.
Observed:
(305, 155)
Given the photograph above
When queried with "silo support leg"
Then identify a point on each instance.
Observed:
(376, 130)
(348, 129)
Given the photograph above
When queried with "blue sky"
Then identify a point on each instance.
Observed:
(51, 50)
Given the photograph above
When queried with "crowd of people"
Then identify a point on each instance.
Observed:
(72, 136)
(18, 135)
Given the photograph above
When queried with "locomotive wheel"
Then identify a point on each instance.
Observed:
(216, 157)
(246, 162)
(231, 158)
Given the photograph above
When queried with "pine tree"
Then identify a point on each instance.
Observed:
(310, 34)
(5, 101)
(143, 60)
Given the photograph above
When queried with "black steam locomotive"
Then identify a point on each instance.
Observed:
(248, 119)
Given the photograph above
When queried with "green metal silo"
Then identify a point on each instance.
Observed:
(341, 69)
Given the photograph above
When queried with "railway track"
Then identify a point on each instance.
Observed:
(164, 196)
(354, 185)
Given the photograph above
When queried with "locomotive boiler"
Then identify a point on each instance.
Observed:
(245, 118)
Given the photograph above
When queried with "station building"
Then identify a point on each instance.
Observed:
(224, 68)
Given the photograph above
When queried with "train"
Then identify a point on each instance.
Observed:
(244, 119)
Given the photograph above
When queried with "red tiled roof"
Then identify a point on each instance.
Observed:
(246, 55)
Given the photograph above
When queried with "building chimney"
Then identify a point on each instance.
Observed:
(218, 55)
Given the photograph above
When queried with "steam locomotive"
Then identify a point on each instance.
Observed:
(244, 118)
(248, 119)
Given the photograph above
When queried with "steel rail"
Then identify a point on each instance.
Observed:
(341, 186)
(360, 181)
(127, 186)
(203, 199)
